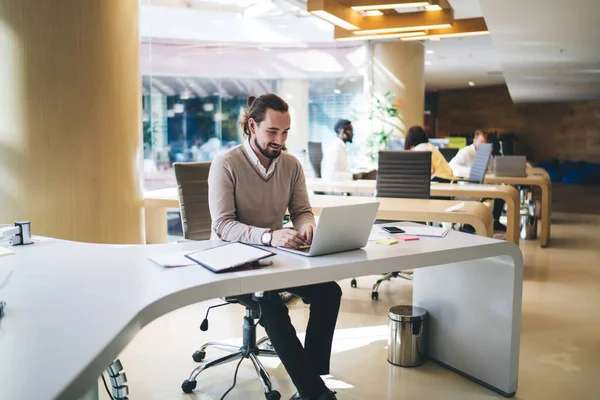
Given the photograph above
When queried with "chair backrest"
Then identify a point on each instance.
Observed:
(448, 153)
(315, 155)
(192, 183)
(404, 174)
(480, 164)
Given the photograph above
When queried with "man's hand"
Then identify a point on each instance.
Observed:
(307, 232)
(288, 238)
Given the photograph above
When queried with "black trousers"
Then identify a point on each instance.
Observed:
(304, 364)
(498, 207)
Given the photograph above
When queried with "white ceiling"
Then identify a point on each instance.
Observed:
(456, 62)
(240, 25)
(548, 49)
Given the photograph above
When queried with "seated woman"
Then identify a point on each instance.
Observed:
(416, 139)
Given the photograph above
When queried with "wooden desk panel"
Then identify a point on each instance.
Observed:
(473, 213)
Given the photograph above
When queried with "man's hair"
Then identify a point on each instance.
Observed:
(414, 137)
(257, 109)
(341, 124)
(489, 137)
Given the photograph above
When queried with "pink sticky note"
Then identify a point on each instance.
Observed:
(406, 238)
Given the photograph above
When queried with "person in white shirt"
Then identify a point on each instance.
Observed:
(463, 160)
(335, 165)
(461, 166)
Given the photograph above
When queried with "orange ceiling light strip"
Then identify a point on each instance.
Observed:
(406, 22)
(366, 5)
(342, 35)
(460, 28)
(335, 13)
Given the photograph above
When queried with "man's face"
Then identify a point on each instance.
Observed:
(270, 135)
(347, 133)
(478, 139)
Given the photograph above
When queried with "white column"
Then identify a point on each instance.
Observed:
(295, 93)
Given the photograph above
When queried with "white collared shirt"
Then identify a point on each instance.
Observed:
(335, 165)
(256, 161)
(463, 161)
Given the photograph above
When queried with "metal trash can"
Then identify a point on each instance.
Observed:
(406, 343)
(529, 221)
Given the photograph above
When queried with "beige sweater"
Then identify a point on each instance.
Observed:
(244, 205)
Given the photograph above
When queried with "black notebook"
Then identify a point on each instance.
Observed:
(229, 257)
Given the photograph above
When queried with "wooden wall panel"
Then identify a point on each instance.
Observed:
(565, 131)
(70, 135)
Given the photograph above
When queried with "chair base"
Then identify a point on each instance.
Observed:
(386, 277)
(250, 349)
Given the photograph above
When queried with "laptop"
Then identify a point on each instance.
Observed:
(342, 228)
(510, 166)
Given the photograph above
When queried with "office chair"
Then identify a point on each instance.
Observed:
(315, 155)
(192, 183)
(448, 153)
(401, 174)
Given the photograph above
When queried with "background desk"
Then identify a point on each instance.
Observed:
(72, 307)
(507, 193)
(473, 213)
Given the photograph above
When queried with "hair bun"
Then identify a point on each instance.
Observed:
(251, 99)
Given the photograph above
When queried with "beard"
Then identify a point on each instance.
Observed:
(268, 151)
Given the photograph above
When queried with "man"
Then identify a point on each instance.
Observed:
(335, 165)
(461, 166)
(463, 160)
(250, 188)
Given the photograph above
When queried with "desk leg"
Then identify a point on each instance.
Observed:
(483, 229)
(513, 221)
(92, 394)
(546, 214)
(474, 320)
(156, 225)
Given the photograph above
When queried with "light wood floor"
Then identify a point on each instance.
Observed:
(560, 340)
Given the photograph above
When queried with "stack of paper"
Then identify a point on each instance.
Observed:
(424, 230)
(174, 259)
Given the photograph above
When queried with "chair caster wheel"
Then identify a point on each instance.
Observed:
(375, 295)
(353, 283)
(199, 356)
(268, 346)
(188, 386)
(273, 395)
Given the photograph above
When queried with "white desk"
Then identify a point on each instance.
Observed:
(72, 307)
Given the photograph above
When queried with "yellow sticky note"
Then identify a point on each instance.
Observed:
(387, 241)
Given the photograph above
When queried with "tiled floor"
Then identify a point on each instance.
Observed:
(560, 341)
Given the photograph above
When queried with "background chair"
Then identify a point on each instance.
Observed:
(315, 155)
(404, 174)
(401, 174)
(448, 153)
(192, 182)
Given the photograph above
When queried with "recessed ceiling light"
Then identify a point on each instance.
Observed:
(373, 13)
(430, 52)
(427, 62)
(471, 83)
